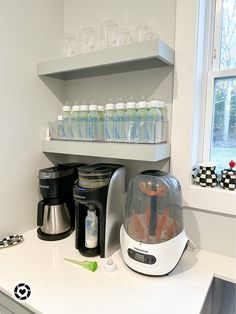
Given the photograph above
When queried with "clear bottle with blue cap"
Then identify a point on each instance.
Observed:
(83, 122)
(109, 127)
(60, 132)
(93, 118)
(75, 121)
(131, 121)
(164, 121)
(120, 135)
(142, 122)
(66, 120)
(100, 123)
(154, 122)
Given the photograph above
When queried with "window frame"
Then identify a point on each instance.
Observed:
(191, 100)
(214, 73)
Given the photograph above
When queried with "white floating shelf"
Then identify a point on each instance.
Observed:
(142, 152)
(145, 55)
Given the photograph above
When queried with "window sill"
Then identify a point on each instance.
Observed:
(214, 199)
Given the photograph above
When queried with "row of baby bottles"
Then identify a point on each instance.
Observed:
(144, 122)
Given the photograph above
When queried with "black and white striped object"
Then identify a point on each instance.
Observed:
(228, 179)
(11, 240)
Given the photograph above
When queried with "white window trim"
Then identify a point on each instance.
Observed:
(187, 91)
(217, 35)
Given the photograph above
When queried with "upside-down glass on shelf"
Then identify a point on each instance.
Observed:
(145, 32)
(109, 33)
(69, 45)
(87, 39)
(126, 36)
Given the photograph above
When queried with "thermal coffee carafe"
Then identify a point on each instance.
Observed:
(99, 208)
(153, 237)
(56, 211)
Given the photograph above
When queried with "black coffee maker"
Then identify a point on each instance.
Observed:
(56, 212)
(99, 208)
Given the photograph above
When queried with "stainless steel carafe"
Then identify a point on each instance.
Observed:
(53, 218)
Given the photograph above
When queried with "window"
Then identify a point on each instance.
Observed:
(196, 82)
(220, 121)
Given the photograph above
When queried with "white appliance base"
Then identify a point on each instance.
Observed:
(152, 259)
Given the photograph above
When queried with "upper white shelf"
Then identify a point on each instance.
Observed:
(145, 55)
(142, 152)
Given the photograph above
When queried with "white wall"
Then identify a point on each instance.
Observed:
(211, 231)
(31, 31)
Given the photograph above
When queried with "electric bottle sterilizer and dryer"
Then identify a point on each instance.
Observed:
(153, 237)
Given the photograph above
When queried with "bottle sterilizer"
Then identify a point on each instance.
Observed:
(153, 237)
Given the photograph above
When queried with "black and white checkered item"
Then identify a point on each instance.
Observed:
(11, 240)
(206, 177)
(228, 179)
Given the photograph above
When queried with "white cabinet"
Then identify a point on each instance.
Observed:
(9, 306)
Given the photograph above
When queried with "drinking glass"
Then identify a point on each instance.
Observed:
(69, 45)
(109, 33)
(125, 36)
(143, 31)
(87, 39)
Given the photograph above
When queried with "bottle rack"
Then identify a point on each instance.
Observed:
(148, 132)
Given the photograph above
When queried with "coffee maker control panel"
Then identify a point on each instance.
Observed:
(142, 258)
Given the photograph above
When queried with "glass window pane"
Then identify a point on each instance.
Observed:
(228, 35)
(223, 143)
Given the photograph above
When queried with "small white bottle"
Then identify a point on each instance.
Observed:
(93, 122)
(83, 122)
(75, 121)
(66, 121)
(120, 135)
(109, 118)
(91, 228)
(142, 122)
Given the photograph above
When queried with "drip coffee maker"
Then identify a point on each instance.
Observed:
(55, 216)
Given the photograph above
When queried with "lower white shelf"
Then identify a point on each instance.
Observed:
(142, 152)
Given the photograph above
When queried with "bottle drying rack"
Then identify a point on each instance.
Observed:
(147, 132)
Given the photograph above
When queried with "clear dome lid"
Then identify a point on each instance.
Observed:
(154, 212)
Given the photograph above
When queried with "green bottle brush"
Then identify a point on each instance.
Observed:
(92, 266)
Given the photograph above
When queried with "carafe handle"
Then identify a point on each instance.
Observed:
(41, 205)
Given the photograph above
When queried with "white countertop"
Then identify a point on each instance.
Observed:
(61, 287)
